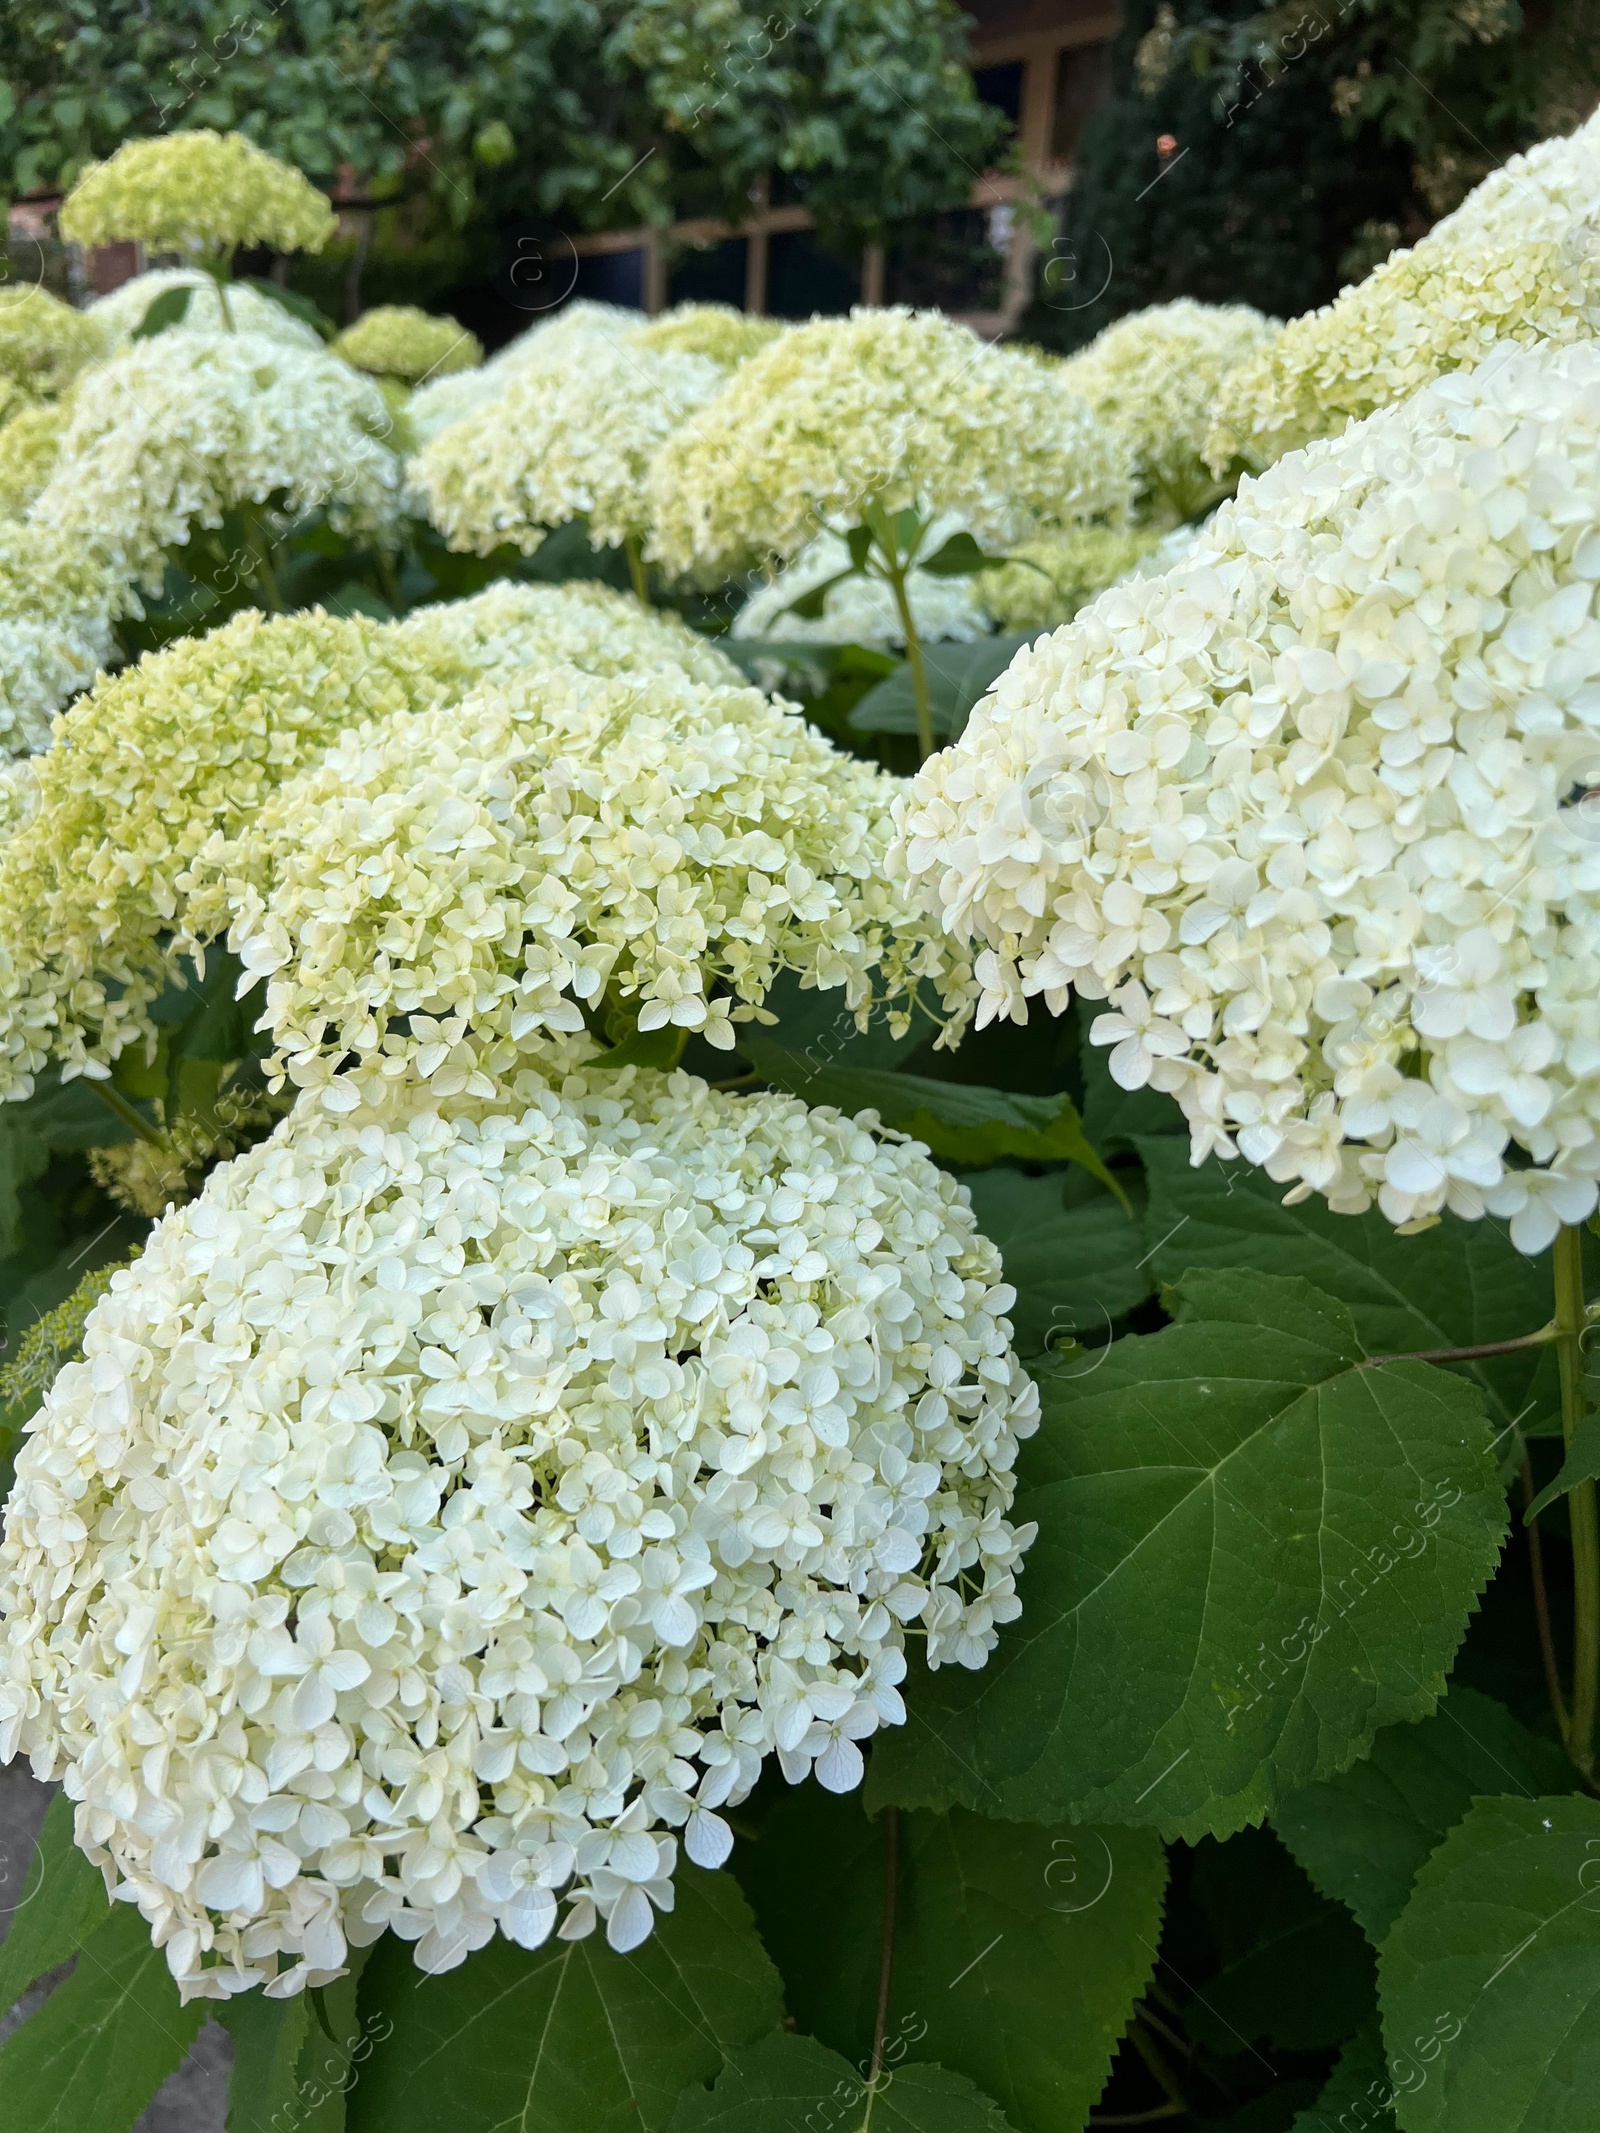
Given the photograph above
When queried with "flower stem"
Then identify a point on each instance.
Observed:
(1542, 1339)
(895, 571)
(891, 1883)
(1541, 1606)
(261, 559)
(115, 1102)
(1567, 1257)
(636, 570)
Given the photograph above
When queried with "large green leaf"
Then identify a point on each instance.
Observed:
(268, 2039)
(1363, 1835)
(573, 2038)
(62, 1904)
(1075, 1268)
(1490, 1977)
(793, 2082)
(103, 2042)
(1253, 1553)
(1018, 1951)
(1356, 2099)
(958, 676)
(1453, 1286)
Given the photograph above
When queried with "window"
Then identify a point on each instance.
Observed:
(1083, 73)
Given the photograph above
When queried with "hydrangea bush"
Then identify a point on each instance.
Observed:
(617, 1519)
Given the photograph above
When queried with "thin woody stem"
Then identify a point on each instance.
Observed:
(1541, 1606)
(115, 1102)
(1567, 1258)
(1544, 1338)
(636, 571)
(891, 1868)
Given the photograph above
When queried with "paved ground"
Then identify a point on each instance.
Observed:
(195, 2099)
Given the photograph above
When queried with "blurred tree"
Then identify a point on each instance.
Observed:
(1269, 156)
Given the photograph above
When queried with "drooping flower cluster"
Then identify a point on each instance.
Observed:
(1518, 260)
(143, 770)
(399, 341)
(566, 438)
(859, 609)
(454, 1508)
(1155, 376)
(449, 884)
(57, 603)
(902, 408)
(44, 343)
(119, 315)
(175, 430)
(197, 190)
(1318, 812)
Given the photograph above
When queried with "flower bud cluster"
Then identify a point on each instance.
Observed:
(399, 341)
(455, 1506)
(1518, 260)
(1319, 812)
(445, 885)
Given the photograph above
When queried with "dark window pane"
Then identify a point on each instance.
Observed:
(612, 277)
(1083, 74)
(804, 276)
(949, 260)
(1002, 87)
(710, 274)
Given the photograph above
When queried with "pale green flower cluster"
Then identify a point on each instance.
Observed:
(442, 401)
(727, 336)
(900, 408)
(177, 429)
(196, 191)
(1050, 578)
(57, 604)
(511, 628)
(1156, 376)
(44, 343)
(399, 341)
(571, 435)
(486, 869)
(30, 444)
(143, 770)
(1518, 260)
(120, 314)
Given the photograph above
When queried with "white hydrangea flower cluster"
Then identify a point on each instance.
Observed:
(445, 886)
(859, 609)
(1318, 812)
(144, 770)
(57, 603)
(197, 189)
(898, 407)
(30, 445)
(1156, 375)
(1518, 260)
(176, 429)
(119, 314)
(509, 627)
(454, 1508)
(443, 401)
(567, 437)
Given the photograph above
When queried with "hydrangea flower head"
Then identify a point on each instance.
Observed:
(30, 444)
(510, 627)
(1155, 376)
(57, 605)
(727, 336)
(456, 1505)
(1050, 578)
(1518, 260)
(448, 885)
(860, 609)
(198, 190)
(176, 429)
(399, 341)
(119, 315)
(1317, 812)
(143, 770)
(902, 408)
(44, 343)
(445, 400)
(571, 435)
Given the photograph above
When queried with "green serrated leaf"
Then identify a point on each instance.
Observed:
(658, 1048)
(103, 2042)
(1490, 1977)
(787, 2081)
(1582, 1463)
(1363, 1835)
(1075, 1267)
(1253, 1553)
(808, 606)
(960, 557)
(62, 1904)
(1453, 1286)
(166, 310)
(1356, 2099)
(297, 306)
(958, 676)
(1018, 1951)
(573, 2038)
(268, 2038)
